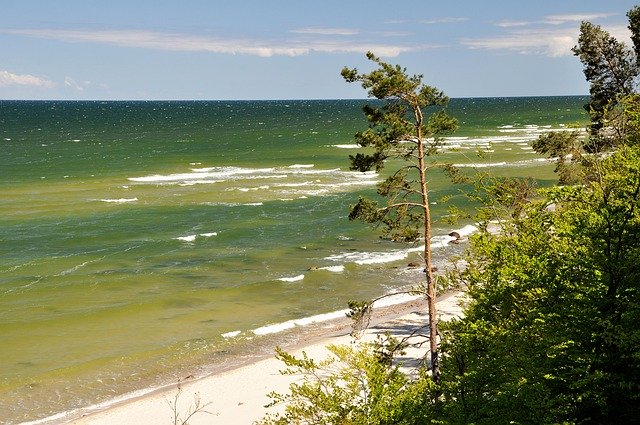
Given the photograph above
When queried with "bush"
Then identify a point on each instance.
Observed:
(352, 387)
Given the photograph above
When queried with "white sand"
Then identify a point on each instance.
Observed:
(238, 396)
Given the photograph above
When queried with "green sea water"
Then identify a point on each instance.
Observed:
(140, 238)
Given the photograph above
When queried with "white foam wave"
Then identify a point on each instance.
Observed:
(334, 269)
(119, 201)
(203, 174)
(189, 238)
(231, 171)
(192, 238)
(305, 321)
(339, 314)
(292, 279)
(231, 334)
(307, 183)
(522, 163)
(467, 230)
(365, 175)
(251, 189)
(314, 172)
(395, 300)
(347, 146)
(68, 415)
(195, 182)
(301, 166)
(363, 258)
(442, 241)
(333, 178)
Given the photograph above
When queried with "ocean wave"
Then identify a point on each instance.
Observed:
(211, 175)
(305, 321)
(347, 146)
(189, 238)
(522, 163)
(195, 182)
(442, 241)
(388, 301)
(364, 258)
(301, 166)
(315, 172)
(334, 269)
(119, 201)
(303, 184)
(192, 238)
(232, 334)
(292, 279)
(70, 414)
(381, 257)
(249, 189)
(508, 134)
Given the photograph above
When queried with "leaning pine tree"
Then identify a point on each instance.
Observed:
(400, 130)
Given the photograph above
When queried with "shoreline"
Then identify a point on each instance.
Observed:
(237, 390)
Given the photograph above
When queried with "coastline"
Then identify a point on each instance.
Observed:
(237, 393)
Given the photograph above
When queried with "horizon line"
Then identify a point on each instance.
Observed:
(276, 100)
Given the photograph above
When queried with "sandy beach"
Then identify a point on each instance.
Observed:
(238, 396)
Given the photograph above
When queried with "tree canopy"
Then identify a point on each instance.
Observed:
(550, 333)
(398, 129)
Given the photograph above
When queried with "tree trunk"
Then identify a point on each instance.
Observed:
(431, 287)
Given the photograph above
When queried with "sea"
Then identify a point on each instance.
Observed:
(141, 240)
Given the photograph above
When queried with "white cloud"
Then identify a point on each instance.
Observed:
(563, 19)
(72, 84)
(394, 33)
(542, 42)
(447, 20)
(9, 79)
(397, 22)
(555, 20)
(620, 32)
(192, 43)
(553, 42)
(510, 24)
(325, 31)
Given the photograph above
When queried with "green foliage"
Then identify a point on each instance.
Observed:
(612, 69)
(634, 27)
(398, 130)
(610, 66)
(565, 149)
(351, 387)
(360, 314)
(500, 199)
(623, 121)
(550, 334)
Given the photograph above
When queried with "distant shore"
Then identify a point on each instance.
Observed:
(237, 396)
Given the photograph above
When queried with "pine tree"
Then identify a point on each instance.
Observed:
(399, 129)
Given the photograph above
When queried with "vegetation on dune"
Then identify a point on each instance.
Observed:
(549, 334)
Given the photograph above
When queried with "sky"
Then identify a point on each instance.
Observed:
(291, 49)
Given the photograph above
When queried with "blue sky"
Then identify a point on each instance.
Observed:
(290, 49)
